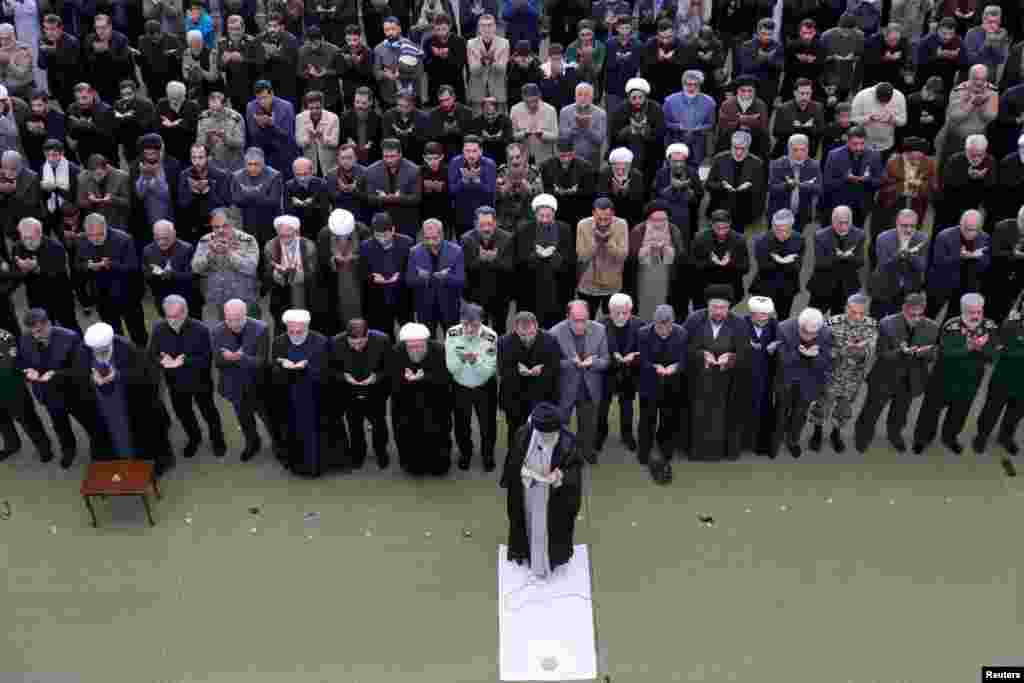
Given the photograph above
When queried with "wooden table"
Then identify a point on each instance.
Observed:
(119, 478)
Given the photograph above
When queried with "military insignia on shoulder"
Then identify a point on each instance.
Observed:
(835, 319)
(489, 336)
(953, 324)
(455, 331)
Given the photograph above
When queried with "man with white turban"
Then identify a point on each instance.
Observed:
(805, 361)
(546, 250)
(290, 268)
(298, 361)
(639, 125)
(763, 329)
(621, 182)
(340, 269)
(132, 419)
(421, 402)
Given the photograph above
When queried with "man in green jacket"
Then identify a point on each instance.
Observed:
(1006, 387)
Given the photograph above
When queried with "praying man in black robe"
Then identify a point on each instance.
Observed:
(421, 403)
(542, 476)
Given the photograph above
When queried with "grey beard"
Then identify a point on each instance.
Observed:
(417, 356)
(362, 115)
(527, 341)
(31, 245)
(298, 339)
(176, 325)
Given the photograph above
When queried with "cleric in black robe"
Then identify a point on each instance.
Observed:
(132, 420)
(298, 360)
(718, 369)
(763, 331)
(546, 252)
(421, 410)
(543, 477)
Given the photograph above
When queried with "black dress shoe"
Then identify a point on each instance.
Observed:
(599, 443)
(489, 464)
(898, 444)
(220, 449)
(591, 457)
(795, 450)
(191, 448)
(919, 448)
(46, 456)
(643, 458)
(67, 459)
(815, 443)
(978, 445)
(464, 461)
(630, 442)
(953, 445)
(9, 451)
(838, 445)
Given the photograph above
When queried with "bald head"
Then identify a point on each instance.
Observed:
(235, 313)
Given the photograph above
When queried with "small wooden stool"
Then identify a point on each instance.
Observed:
(119, 478)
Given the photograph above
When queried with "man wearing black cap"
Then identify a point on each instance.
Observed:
(18, 405)
(393, 185)
(542, 476)
(720, 255)
(718, 368)
(444, 59)
(47, 354)
(523, 68)
(386, 257)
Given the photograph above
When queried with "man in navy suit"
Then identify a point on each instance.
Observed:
(661, 361)
(393, 185)
(959, 261)
(436, 275)
(838, 259)
(385, 257)
(623, 370)
(42, 264)
(472, 180)
(853, 175)
(167, 266)
(795, 182)
(181, 346)
(240, 346)
(46, 356)
(779, 255)
(805, 361)
(107, 259)
(902, 258)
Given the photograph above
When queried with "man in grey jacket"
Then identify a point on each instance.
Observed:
(585, 124)
(584, 346)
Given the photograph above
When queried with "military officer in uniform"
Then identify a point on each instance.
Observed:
(18, 405)
(222, 130)
(471, 353)
(854, 336)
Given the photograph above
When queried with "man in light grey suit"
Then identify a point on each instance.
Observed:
(584, 347)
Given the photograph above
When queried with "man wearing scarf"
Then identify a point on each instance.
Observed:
(968, 182)
(736, 182)
(290, 270)
(282, 56)
(201, 189)
(961, 256)
(547, 250)
(154, 184)
(518, 183)
(270, 122)
(198, 68)
(307, 198)
(661, 362)
(41, 263)
(355, 65)
(421, 402)
(340, 270)
(535, 123)
(58, 185)
(542, 475)
(639, 126)
(495, 131)
(444, 58)
(386, 258)
(317, 132)
(298, 364)
(91, 125)
(256, 190)
(222, 130)
(125, 391)
(779, 254)
(180, 345)
(318, 68)
(762, 328)
(361, 126)
(838, 260)
(967, 343)
(18, 405)
(41, 125)
(805, 363)
(689, 115)
(159, 54)
(718, 369)
(178, 121)
(720, 254)
(449, 122)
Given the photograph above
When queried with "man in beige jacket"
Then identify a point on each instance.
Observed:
(487, 56)
(602, 243)
(316, 132)
(535, 124)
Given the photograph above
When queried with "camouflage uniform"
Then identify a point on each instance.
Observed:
(226, 155)
(849, 368)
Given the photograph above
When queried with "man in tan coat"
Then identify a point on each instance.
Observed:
(602, 244)
(317, 132)
(487, 55)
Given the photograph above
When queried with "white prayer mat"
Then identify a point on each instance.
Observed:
(546, 628)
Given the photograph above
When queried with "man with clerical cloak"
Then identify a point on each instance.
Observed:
(543, 478)
(298, 360)
(763, 330)
(421, 402)
(718, 368)
(132, 417)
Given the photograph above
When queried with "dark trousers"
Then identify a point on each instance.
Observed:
(383, 317)
(28, 418)
(932, 408)
(996, 400)
(515, 417)
(659, 423)
(181, 402)
(790, 417)
(131, 314)
(783, 303)
(586, 424)
(596, 303)
(496, 312)
(482, 400)
(250, 406)
(832, 303)
(898, 400)
(358, 412)
(61, 420)
(625, 388)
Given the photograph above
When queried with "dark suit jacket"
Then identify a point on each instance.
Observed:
(893, 368)
(237, 379)
(893, 268)
(840, 192)
(430, 292)
(51, 283)
(808, 375)
(831, 271)
(196, 375)
(23, 202)
(522, 393)
(181, 281)
(945, 270)
(744, 206)
(348, 128)
(376, 357)
(651, 386)
(406, 211)
(193, 213)
(122, 284)
(779, 191)
(777, 279)
(61, 357)
(486, 280)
